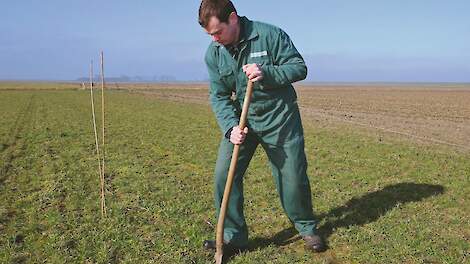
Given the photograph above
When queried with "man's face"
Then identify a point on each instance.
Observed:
(221, 32)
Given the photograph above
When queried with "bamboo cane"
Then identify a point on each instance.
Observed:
(95, 131)
(231, 173)
(103, 189)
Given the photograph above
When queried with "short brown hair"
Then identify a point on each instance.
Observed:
(218, 8)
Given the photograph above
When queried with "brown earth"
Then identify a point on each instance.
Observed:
(427, 113)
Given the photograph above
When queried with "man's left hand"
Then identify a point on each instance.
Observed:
(253, 72)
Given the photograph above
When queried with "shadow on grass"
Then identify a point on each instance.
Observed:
(357, 212)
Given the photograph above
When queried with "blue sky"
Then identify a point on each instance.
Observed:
(362, 40)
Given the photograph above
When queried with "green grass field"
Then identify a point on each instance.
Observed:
(377, 200)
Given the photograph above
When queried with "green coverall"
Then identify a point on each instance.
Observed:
(273, 121)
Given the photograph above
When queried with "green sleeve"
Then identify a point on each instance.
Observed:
(220, 96)
(288, 65)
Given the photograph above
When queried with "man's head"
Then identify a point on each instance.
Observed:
(220, 20)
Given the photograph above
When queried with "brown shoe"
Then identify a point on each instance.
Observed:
(314, 243)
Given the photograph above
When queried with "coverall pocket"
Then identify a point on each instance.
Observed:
(226, 76)
(224, 71)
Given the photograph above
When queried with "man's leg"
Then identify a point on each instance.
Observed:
(235, 229)
(289, 167)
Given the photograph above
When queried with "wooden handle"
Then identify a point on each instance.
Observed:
(246, 104)
(231, 173)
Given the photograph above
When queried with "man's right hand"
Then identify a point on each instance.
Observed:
(238, 136)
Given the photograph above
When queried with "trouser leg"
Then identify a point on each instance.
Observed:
(235, 228)
(289, 167)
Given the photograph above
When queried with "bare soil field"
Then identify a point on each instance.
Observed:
(426, 113)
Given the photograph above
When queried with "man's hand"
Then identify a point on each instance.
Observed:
(253, 72)
(238, 136)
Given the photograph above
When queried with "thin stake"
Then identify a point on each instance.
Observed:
(96, 134)
(103, 201)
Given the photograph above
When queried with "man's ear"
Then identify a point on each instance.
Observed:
(233, 18)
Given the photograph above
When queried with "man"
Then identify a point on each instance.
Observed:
(245, 50)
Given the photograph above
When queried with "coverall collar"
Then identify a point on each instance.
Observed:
(247, 31)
